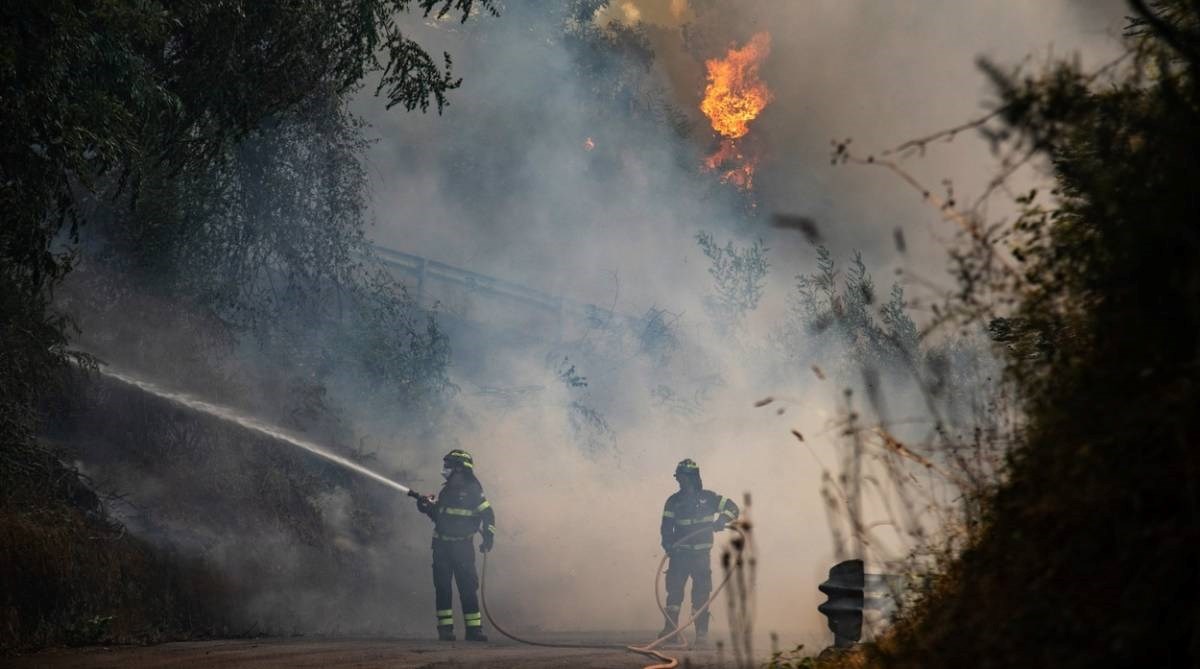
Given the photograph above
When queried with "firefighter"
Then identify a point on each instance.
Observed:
(689, 520)
(458, 512)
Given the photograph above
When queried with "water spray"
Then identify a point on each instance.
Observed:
(234, 416)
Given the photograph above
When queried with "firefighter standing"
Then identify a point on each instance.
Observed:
(690, 517)
(458, 512)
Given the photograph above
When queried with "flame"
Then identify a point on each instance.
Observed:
(735, 95)
(739, 168)
(588, 144)
(733, 98)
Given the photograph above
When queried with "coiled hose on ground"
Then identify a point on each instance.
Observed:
(650, 649)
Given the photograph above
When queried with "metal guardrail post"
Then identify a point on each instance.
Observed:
(845, 587)
(851, 592)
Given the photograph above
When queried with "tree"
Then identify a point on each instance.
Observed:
(115, 99)
(837, 324)
(738, 277)
(124, 124)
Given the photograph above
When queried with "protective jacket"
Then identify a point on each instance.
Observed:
(697, 513)
(460, 511)
(690, 517)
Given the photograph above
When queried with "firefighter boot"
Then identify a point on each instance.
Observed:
(476, 634)
(445, 632)
(669, 626)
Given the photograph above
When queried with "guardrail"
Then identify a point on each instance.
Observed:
(424, 272)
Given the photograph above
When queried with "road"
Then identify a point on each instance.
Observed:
(357, 653)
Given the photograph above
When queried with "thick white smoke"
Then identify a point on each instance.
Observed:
(505, 183)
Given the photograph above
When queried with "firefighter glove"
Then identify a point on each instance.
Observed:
(486, 545)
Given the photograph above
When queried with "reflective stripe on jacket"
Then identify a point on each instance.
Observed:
(689, 513)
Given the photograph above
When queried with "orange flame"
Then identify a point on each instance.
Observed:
(735, 95)
(733, 98)
(739, 168)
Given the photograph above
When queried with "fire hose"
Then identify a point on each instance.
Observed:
(650, 649)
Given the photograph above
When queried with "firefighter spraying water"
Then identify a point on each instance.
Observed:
(459, 511)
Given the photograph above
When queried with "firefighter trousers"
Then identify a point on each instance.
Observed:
(685, 564)
(454, 562)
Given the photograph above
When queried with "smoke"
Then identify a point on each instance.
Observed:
(879, 73)
(571, 162)
(503, 183)
(532, 175)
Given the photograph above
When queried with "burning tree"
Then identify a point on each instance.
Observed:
(735, 96)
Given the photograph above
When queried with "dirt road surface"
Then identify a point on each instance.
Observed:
(357, 653)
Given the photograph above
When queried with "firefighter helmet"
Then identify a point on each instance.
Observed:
(687, 466)
(458, 459)
(688, 471)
